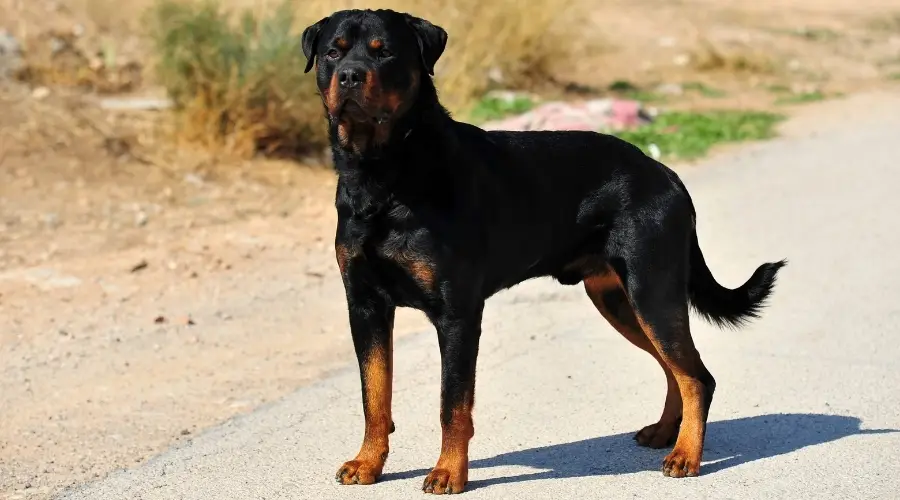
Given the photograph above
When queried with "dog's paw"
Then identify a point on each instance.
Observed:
(358, 472)
(681, 464)
(658, 435)
(443, 482)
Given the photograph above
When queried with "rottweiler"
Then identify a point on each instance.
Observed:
(439, 215)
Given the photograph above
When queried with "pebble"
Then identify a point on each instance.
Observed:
(10, 54)
(40, 93)
(141, 218)
(193, 179)
(667, 41)
(140, 266)
(670, 89)
(51, 220)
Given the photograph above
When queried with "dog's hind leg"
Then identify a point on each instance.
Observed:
(655, 281)
(607, 294)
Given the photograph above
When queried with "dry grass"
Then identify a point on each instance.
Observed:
(56, 59)
(237, 77)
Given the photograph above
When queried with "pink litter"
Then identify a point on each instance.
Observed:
(595, 115)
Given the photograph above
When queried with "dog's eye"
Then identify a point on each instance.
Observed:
(384, 53)
(333, 54)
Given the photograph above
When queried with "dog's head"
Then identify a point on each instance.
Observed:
(370, 67)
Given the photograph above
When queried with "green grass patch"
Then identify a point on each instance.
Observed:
(687, 135)
(645, 96)
(703, 89)
(894, 76)
(622, 86)
(494, 108)
(802, 98)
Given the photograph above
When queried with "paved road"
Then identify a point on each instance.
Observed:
(807, 405)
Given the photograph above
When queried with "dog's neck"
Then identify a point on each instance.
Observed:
(368, 181)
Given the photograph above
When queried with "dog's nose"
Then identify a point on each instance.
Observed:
(351, 77)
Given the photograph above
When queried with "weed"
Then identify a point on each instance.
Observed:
(779, 88)
(687, 135)
(622, 86)
(703, 89)
(815, 34)
(801, 98)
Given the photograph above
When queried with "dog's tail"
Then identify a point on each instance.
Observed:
(722, 306)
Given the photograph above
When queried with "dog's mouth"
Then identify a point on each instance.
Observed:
(354, 112)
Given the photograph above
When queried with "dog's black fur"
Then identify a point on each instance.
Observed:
(439, 215)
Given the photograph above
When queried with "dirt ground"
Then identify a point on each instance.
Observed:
(148, 292)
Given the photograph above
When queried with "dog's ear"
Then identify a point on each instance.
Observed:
(432, 40)
(310, 40)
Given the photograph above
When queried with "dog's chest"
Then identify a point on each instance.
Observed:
(394, 254)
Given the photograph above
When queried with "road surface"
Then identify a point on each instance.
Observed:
(807, 402)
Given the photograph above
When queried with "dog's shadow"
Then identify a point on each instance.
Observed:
(728, 443)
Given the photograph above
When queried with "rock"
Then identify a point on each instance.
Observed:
(40, 93)
(510, 96)
(670, 89)
(194, 179)
(495, 75)
(141, 218)
(11, 59)
(51, 220)
(140, 266)
(136, 104)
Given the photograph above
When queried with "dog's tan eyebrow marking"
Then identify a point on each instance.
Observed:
(376, 44)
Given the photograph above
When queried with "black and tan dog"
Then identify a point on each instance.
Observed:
(439, 215)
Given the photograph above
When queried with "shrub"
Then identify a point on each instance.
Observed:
(240, 85)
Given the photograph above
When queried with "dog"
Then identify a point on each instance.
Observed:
(439, 215)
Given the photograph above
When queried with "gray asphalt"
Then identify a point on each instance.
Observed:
(808, 397)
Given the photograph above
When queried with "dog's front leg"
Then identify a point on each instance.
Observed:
(458, 339)
(371, 324)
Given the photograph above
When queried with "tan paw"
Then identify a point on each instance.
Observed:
(442, 481)
(359, 472)
(681, 464)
